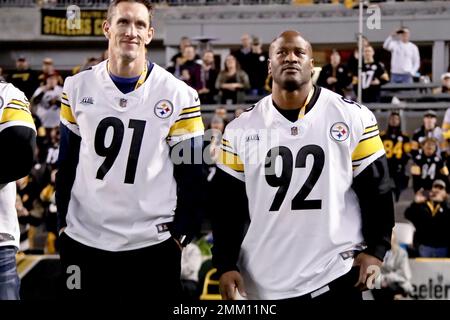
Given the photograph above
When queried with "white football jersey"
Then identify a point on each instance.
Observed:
(298, 176)
(124, 191)
(14, 111)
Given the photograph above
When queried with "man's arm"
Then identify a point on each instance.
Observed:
(374, 191)
(69, 149)
(390, 42)
(229, 221)
(18, 144)
(416, 59)
(190, 186)
(17, 135)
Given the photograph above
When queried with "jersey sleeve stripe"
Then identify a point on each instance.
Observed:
(66, 113)
(226, 143)
(190, 109)
(357, 169)
(64, 96)
(189, 115)
(231, 160)
(367, 147)
(225, 148)
(231, 172)
(371, 128)
(369, 135)
(186, 126)
(18, 107)
(13, 114)
(19, 103)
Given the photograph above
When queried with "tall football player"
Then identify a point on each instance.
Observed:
(125, 209)
(17, 142)
(305, 174)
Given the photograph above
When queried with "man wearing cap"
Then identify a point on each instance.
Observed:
(429, 129)
(23, 77)
(431, 217)
(405, 58)
(445, 84)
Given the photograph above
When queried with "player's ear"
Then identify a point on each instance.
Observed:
(151, 33)
(269, 66)
(105, 27)
(311, 61)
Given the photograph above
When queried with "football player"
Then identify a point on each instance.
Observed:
(17, 141)
(127, 201)
(306, 202)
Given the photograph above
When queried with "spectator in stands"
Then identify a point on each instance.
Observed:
(88, 63)
(395, 278)
(428, 166)
(23, 77)
(208, 75)
(190, 70)
(222, 113)
(429, 129)
(405, 58)
(244, 53)
(232, 82)
(191, 261)
(445, 84)
(257, 68)
(397, 147)
(352, 63)
(431, 217)
(335, 76)
(184, 42)
(373, 76)
(47, 99)
(47, 69)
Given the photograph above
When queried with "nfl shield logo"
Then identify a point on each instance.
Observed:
(294, 131)
(123, 103)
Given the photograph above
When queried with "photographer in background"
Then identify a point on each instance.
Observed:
(405, 58)
(431, 217)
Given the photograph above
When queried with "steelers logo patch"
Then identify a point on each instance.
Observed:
(339, 131)
(163, 109)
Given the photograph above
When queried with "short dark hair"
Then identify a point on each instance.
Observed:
(146, 3)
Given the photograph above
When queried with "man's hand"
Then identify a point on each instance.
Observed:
(229, 282)
(364, 261)
(331, 80)
(420, 197)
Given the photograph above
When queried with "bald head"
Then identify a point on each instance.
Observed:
(290, 61)
(288, 36)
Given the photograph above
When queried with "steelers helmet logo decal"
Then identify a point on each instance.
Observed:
(339, 131)
(163, 109)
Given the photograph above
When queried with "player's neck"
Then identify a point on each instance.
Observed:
(289, 100)
(125, 69)
(369, 61)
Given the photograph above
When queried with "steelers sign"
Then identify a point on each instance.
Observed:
(339, 131)
(163, 109)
